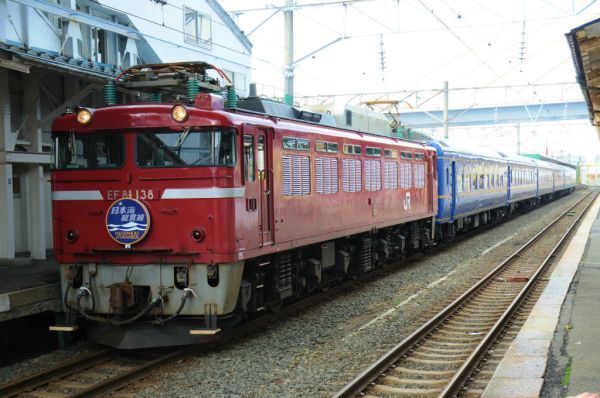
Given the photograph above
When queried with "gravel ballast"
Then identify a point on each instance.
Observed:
(316, 351)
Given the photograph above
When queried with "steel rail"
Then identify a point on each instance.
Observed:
(38, 380)
(461, 375)
(364, 379)
(58, 372)
(120, 380)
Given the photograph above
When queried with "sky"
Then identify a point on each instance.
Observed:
(477, 44)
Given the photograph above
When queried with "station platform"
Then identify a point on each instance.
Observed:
(28, 287)
(556, 352)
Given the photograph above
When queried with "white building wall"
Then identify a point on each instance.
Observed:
(161, 39)
(162, 27)
(31, 28)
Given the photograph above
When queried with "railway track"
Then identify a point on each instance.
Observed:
(92, 375)
(440, 357)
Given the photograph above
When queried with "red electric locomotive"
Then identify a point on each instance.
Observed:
(175, 221)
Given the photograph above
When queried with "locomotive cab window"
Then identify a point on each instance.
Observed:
(89, 151)
(186, 148)
(390, 153)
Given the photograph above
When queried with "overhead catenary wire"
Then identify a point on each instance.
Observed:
(498, 76)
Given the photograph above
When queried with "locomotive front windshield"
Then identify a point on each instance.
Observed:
(89, 151)
(187, 148)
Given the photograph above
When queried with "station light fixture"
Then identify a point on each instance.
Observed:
(179, 113)
(84, 116)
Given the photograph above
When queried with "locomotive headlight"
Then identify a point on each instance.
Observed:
(84, 116)
(179, 113)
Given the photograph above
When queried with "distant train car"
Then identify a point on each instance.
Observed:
(523, 180)
(476, 186)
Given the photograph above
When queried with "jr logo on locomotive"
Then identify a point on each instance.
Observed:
(127, 221)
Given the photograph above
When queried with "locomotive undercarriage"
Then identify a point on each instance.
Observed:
(166, 303)
(272, 280)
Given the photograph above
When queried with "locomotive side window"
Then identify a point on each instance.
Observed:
(89, 151)
(249, 157)
(299, 144)
(330, 147)
(390, 153)
(289, 143)
(260, 156)
(352, 149)
(370, 151)
(303, 145)
(186, 148)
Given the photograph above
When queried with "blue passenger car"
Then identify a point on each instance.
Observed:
(523, 180)
(472, 186)
(476, 186)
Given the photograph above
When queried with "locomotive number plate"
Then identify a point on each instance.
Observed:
(140, 194)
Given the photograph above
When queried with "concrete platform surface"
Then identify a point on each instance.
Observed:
(28, 287)
(522, 371)
(581, 321)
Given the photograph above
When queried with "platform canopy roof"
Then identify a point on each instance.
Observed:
(585, 50)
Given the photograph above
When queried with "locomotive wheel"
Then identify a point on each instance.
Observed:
(275, 305)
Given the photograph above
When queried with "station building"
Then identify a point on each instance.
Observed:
(56, 54)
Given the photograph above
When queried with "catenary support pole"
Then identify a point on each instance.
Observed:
(288, 58)
(445, 114)
(518, 138)
(7, 211)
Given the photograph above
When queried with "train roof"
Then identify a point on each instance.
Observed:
(119, 117)
(447, 146)
(483, 152)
